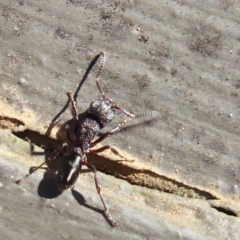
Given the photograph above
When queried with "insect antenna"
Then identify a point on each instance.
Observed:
(103, 60)
(148, 114)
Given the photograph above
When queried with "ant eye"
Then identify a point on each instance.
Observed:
(96, 103)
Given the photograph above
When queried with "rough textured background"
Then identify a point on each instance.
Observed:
(180, 58)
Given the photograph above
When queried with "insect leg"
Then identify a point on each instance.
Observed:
(111, 132)
(27, 175)
(67, 129)
(60, 149)
(64, 147)
(98, 187)
(74, 111)
(113, 151)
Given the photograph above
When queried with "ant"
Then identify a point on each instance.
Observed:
(97, 116)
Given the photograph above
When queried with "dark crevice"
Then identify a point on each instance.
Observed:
(130, 173)
(225, 211)
(227, 208)
(10, 123)
(148, 178)
(39, 140)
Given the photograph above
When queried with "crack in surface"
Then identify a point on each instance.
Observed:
(224, 207)
(118, 168)
(141, 177)
(11, 123)
(225, 211)
(148, 178)
(38, 139)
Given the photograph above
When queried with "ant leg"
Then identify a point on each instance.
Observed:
(53, 156)
(113, 151)
(67, 129)
(74, 108)
(27, 175)
(98, 187)
(62, 148)
(111, 132)
(74, 111)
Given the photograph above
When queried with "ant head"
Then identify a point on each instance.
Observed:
(103, 110)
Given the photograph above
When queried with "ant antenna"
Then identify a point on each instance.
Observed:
(103, 60)
(150, 114)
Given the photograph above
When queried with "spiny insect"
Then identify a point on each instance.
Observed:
(97, 116)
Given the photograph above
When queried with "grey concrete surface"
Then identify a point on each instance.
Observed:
(180, 58)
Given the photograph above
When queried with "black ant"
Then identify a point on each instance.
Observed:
(97, 116)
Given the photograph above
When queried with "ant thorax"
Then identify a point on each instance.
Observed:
(87, 132)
